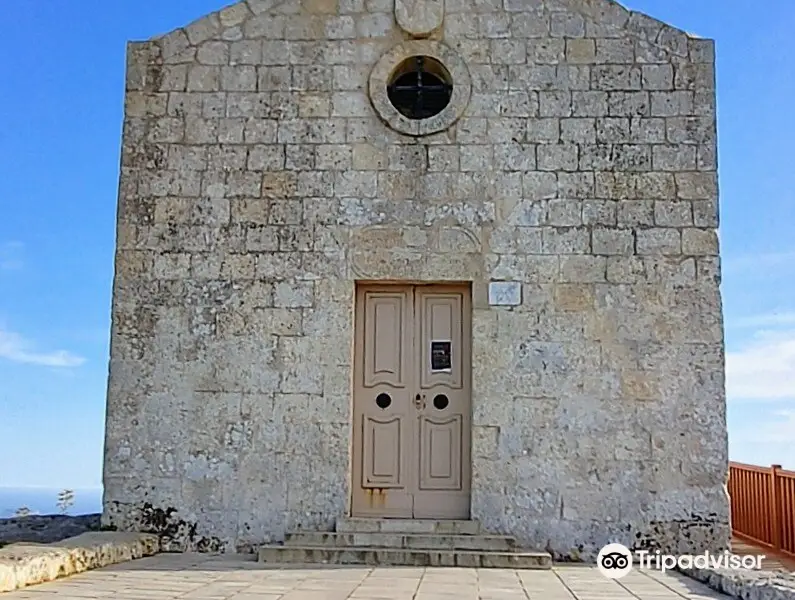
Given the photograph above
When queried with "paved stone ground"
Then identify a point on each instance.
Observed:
(202, 577)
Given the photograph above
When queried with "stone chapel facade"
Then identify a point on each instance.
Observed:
(424, 259)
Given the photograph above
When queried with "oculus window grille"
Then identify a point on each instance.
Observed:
(420, 87)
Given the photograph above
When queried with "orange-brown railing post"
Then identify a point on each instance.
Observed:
(775, 508)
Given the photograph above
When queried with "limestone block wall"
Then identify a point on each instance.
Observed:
(259, 182)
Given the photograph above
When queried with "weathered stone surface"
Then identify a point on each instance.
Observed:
(45, 529)
(746, 583)
(404, 557)
(419, 17)
(577, 160)
(28, 564)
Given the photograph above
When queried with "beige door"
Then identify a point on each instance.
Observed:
(411, 405)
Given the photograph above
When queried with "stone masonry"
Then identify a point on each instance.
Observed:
(261, 177)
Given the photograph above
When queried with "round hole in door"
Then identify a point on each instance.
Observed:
(440, 402)
(383, 401)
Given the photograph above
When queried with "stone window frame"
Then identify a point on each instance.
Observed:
(459, 75)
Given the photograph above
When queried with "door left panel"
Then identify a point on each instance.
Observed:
(382, 408)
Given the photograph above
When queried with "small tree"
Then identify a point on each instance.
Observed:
(65, 499)
(22, 511)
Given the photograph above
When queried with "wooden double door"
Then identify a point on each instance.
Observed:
(412, 401)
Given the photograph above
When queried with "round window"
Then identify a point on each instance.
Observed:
(420, 87)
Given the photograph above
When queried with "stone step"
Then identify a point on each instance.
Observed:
(418, 541)
(450, 527)
(404, 557)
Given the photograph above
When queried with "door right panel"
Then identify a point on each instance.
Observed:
(442, 334)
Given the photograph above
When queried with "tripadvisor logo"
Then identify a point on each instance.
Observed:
(616, 560)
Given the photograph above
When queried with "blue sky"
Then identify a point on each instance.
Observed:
(60, 121)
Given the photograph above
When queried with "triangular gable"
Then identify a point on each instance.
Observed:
(602, 16)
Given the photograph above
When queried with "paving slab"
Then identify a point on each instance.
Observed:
(237, 577)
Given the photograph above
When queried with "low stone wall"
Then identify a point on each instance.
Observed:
(29, 563)
(45, 529)
(747, 584)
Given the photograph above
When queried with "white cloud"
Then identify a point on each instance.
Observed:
(15, 348)
(763, 369)
(10, 256)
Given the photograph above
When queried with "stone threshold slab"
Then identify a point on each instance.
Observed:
(23, 564)
(352, 555)
(746, 584)
(417, 541)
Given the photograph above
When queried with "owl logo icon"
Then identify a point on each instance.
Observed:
(614, 561)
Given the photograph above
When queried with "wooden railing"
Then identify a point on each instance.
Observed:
(763, 505)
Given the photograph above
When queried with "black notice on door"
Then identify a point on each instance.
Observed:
(441, 359)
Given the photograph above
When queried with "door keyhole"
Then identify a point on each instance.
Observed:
(419, 401)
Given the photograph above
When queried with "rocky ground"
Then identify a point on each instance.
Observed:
(747, 584)
(45, 529)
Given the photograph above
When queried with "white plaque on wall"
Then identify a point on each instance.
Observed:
(505, 293)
